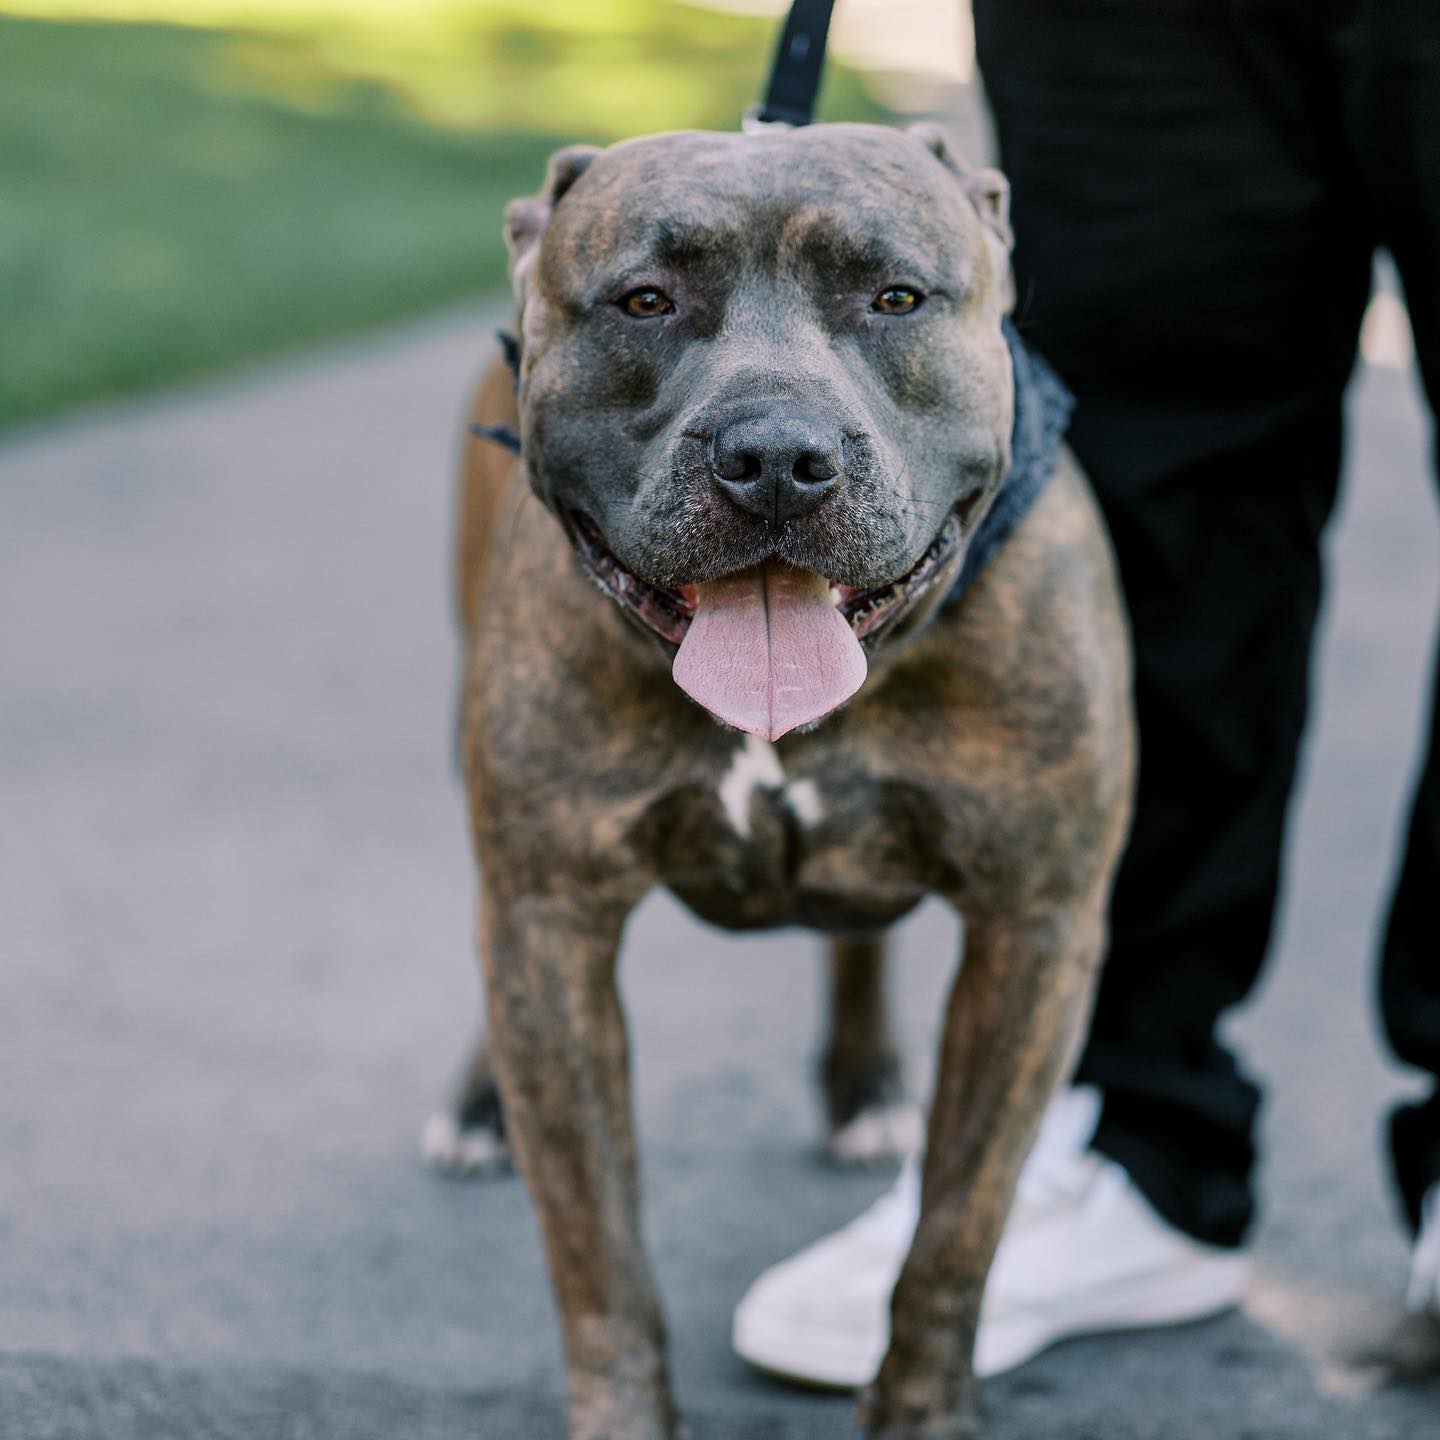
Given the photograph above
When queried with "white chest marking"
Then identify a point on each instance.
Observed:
(756, 766)
(803, 799)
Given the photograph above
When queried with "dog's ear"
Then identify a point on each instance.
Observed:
(987, 190)
(526, 218)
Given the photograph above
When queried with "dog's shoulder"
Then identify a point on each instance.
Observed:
(1038, 657)
(487, 472)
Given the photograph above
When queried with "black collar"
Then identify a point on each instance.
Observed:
(503, 434)
(1042, 415)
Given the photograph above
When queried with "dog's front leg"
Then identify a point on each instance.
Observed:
(1014, 1016)
(559, 1042)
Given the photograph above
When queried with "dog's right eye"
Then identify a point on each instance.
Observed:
(898, 300)
(646, 303)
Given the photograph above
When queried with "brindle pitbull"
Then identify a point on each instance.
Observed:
(765, 402)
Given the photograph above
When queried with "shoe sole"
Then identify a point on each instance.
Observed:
(830, 1362)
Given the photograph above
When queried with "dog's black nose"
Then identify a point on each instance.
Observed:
(779, 465)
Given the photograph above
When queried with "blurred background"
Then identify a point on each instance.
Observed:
(188, 183)
(249, 266)
(192, 183)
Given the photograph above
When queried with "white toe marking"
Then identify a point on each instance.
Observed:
(803, 799)
(756, 766)
(446, 1147)
(879, 1135)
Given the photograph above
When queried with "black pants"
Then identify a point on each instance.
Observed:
(1199, 187)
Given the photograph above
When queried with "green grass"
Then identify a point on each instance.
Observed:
(174, 200)
(153, 227)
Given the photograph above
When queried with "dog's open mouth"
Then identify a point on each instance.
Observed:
(868, 611)
(770, 647)
(669, 612)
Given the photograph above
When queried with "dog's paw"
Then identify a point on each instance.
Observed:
(878, 1135)
(463, 1152)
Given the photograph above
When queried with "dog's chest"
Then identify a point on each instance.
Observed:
(762, 847)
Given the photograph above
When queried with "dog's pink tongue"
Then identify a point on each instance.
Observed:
(767, 650)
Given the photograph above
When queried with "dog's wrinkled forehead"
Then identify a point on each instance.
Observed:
(830, 198)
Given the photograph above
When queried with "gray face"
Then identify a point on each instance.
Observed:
(744, 347)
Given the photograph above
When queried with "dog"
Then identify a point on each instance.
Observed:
(737, 621)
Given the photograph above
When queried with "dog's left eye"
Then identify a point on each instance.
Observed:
(897, 300)
(646, 303)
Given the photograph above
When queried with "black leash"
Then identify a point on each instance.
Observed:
(799, 62)
(790, 100)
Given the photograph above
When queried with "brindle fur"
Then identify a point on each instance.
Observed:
(987, 759)
(860, 1069)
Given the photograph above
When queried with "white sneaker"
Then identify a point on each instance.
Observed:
(1082, 1252)
(1424, 1294)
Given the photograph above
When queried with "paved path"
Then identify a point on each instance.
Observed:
(236, 975)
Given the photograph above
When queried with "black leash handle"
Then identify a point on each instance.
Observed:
(799, 62)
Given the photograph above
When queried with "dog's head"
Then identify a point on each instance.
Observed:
(773, 355)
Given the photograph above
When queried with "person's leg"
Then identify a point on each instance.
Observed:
(1190, 257)
(1389, 54)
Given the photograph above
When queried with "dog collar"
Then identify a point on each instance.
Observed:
(1042, 415)
(503, 435)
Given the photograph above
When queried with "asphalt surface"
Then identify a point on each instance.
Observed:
(236, 975)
